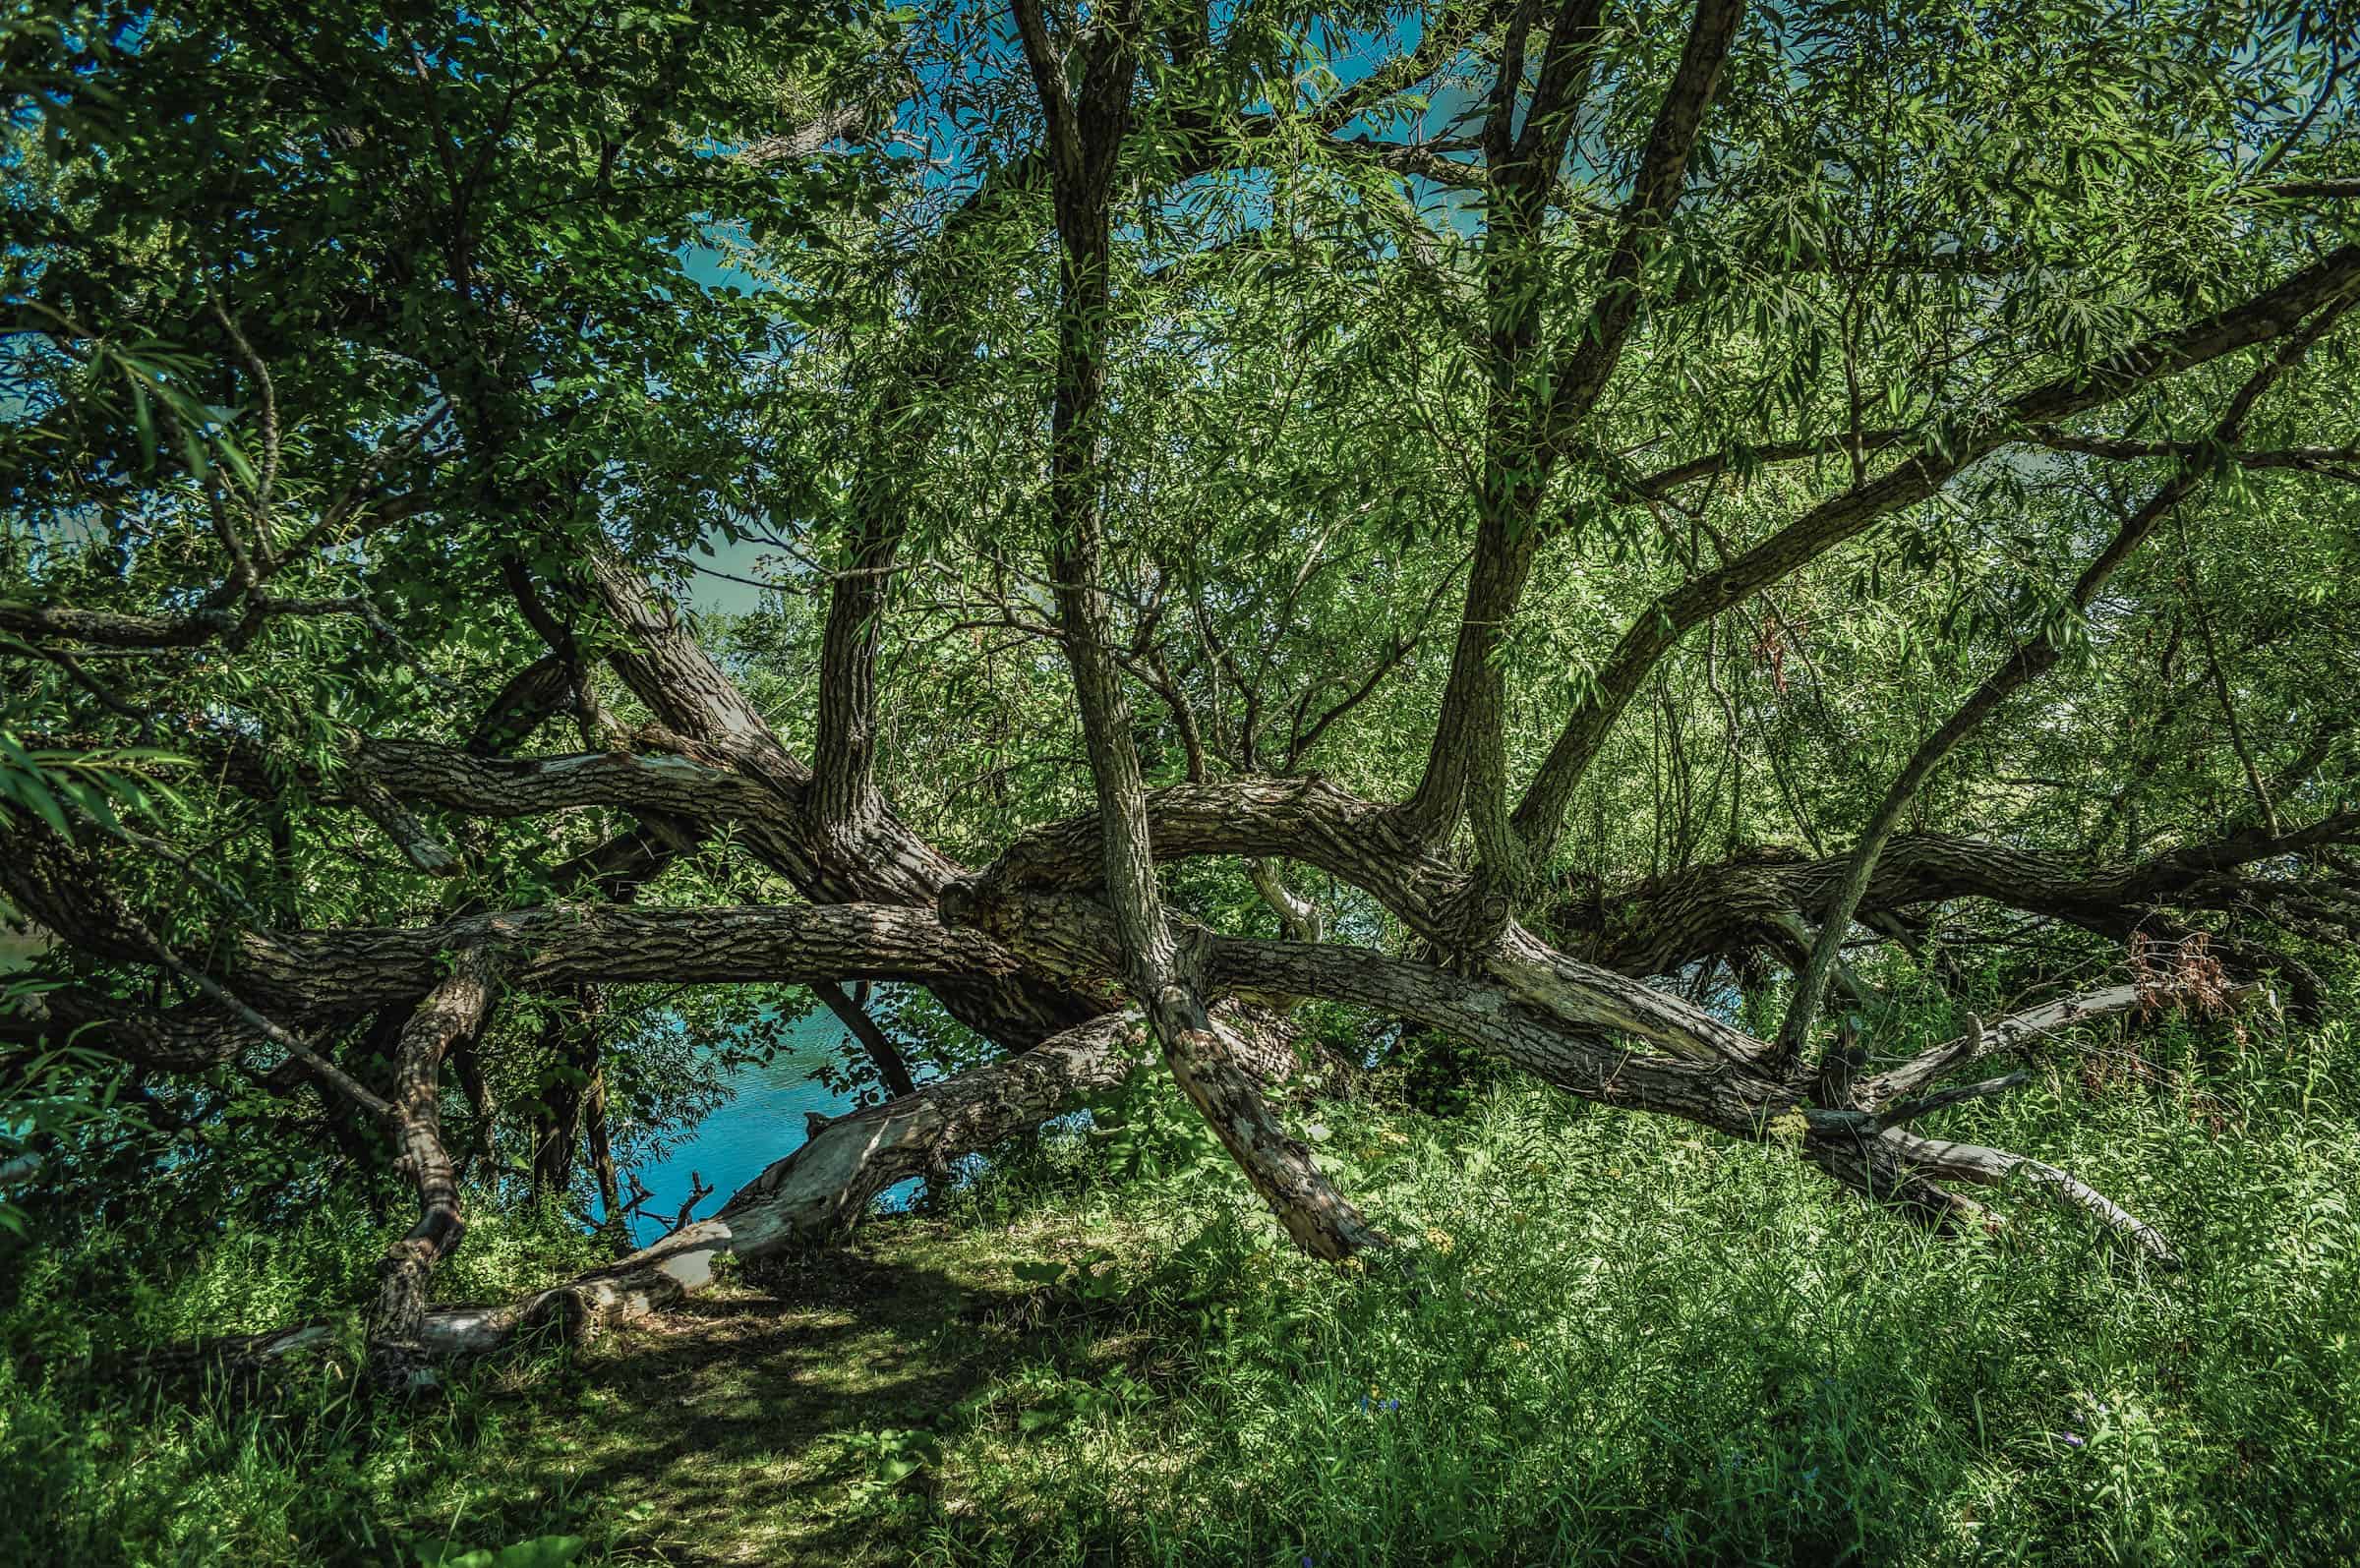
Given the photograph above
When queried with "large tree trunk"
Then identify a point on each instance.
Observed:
(1071, 924)
(1731, 909)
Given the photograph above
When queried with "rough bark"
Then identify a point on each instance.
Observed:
(1529, 419)
(1085, 129)
(1657, 927)
(1020, 960)
(885, 862)
(1730, 907)
(451, 1012)
(827, 1182)
(1055, 935)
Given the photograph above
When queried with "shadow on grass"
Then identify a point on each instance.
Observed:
(740, 1426)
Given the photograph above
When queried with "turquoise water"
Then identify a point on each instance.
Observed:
(762, 1120)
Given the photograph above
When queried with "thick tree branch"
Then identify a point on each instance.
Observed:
(2028, 663)
(1661, 626)
(452, 1014)
(1466, 766)
(1086, 133)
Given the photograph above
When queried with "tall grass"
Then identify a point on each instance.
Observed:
(1621, 1341)
(1606, 1338)
(100, 1467)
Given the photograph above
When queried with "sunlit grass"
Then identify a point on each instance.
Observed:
(1606, 1338)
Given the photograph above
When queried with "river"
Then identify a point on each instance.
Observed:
(761, 1121)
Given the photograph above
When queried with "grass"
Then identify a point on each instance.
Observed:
(1607, 1338)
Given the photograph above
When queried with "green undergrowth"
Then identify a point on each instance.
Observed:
(1602, 1338)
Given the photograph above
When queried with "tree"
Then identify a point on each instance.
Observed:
(1130, 396)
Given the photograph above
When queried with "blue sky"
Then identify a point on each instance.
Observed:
(711, 266)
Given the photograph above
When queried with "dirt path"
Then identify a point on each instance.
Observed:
(746, 1425)
(729, 1429)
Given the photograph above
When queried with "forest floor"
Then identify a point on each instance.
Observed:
(1601, 1339)
(765, 1422)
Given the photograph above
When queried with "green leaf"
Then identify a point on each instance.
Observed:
(447, 1554)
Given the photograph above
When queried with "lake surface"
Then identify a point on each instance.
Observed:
(761, 1122)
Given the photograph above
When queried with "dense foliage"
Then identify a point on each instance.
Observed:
(1719, 1364)
(1576, 616)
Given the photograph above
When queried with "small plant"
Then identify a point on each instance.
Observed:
(890, 1456)
(1441, 1075)
(1148, 1133)
(542, 1551)
(1092, 1277)
(1063, 1401)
